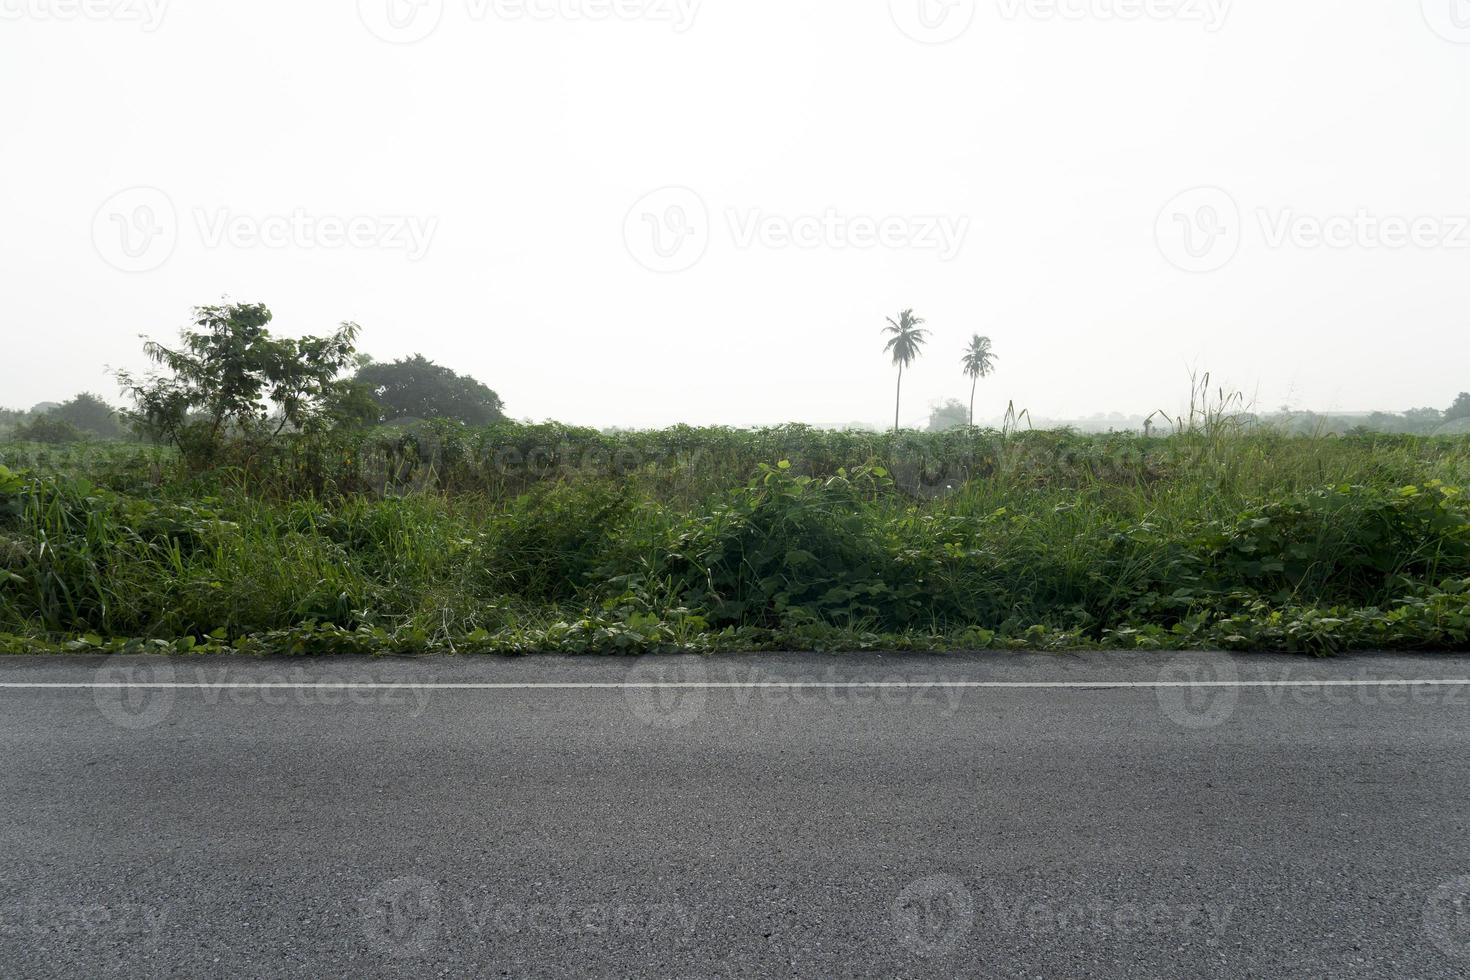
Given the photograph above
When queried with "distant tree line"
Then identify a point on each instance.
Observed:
(1454, 420)
(228, 380)
(87, 416)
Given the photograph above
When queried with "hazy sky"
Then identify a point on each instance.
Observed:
(641, 212)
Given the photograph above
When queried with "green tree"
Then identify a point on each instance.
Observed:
(48, 429)
(417, 388)
(948, 415)
(1460, 409)
(905, 344)
(229, 378)
(979, 362)
(90, 414)
(1423, 420)
(352, 405)
(10, 418)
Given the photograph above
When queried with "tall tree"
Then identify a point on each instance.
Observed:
(417, 388)
(92, 415)
(979, 362)
(905, 342)
(229, 378)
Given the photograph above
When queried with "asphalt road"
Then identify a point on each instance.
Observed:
(544, 818)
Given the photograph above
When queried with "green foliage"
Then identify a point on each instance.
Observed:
(521, 538)
(906, 339)
(1416, 421)
(47, 429)
(417, 388)
(978, 362)
(1354, 542)
(1460, 409)
(1459, 427)
(548, 544)
(91, 415)
(951, 414)
(787, 548)
(351, 404)
(231, 378)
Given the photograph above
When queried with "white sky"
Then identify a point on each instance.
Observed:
(521, 147)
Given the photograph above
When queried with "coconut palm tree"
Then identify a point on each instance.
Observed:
(979, 362)
(905, 344)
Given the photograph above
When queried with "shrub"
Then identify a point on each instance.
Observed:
(549, 543)
(686, 540)
(789, 548)
(47, 429)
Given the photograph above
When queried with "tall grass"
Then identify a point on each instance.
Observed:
(546, 537)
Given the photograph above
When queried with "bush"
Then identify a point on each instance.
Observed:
(91, 415)
(1348, 542)
(791, 548)
(549, 544)
(686, 540)
(47, 429)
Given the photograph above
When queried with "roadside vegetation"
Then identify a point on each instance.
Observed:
(263, 512)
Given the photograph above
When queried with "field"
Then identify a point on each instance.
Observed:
(518, 538)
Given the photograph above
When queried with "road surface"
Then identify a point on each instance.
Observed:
(774, 815)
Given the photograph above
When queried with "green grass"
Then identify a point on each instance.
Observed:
(531, 538)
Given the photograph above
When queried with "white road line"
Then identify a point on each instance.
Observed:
(722, 686)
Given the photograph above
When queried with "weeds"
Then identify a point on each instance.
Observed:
(525, 538)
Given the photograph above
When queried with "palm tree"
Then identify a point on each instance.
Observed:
(979, 362)
(905, 344)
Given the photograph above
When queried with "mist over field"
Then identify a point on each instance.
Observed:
(646, 214)
(681, 325)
